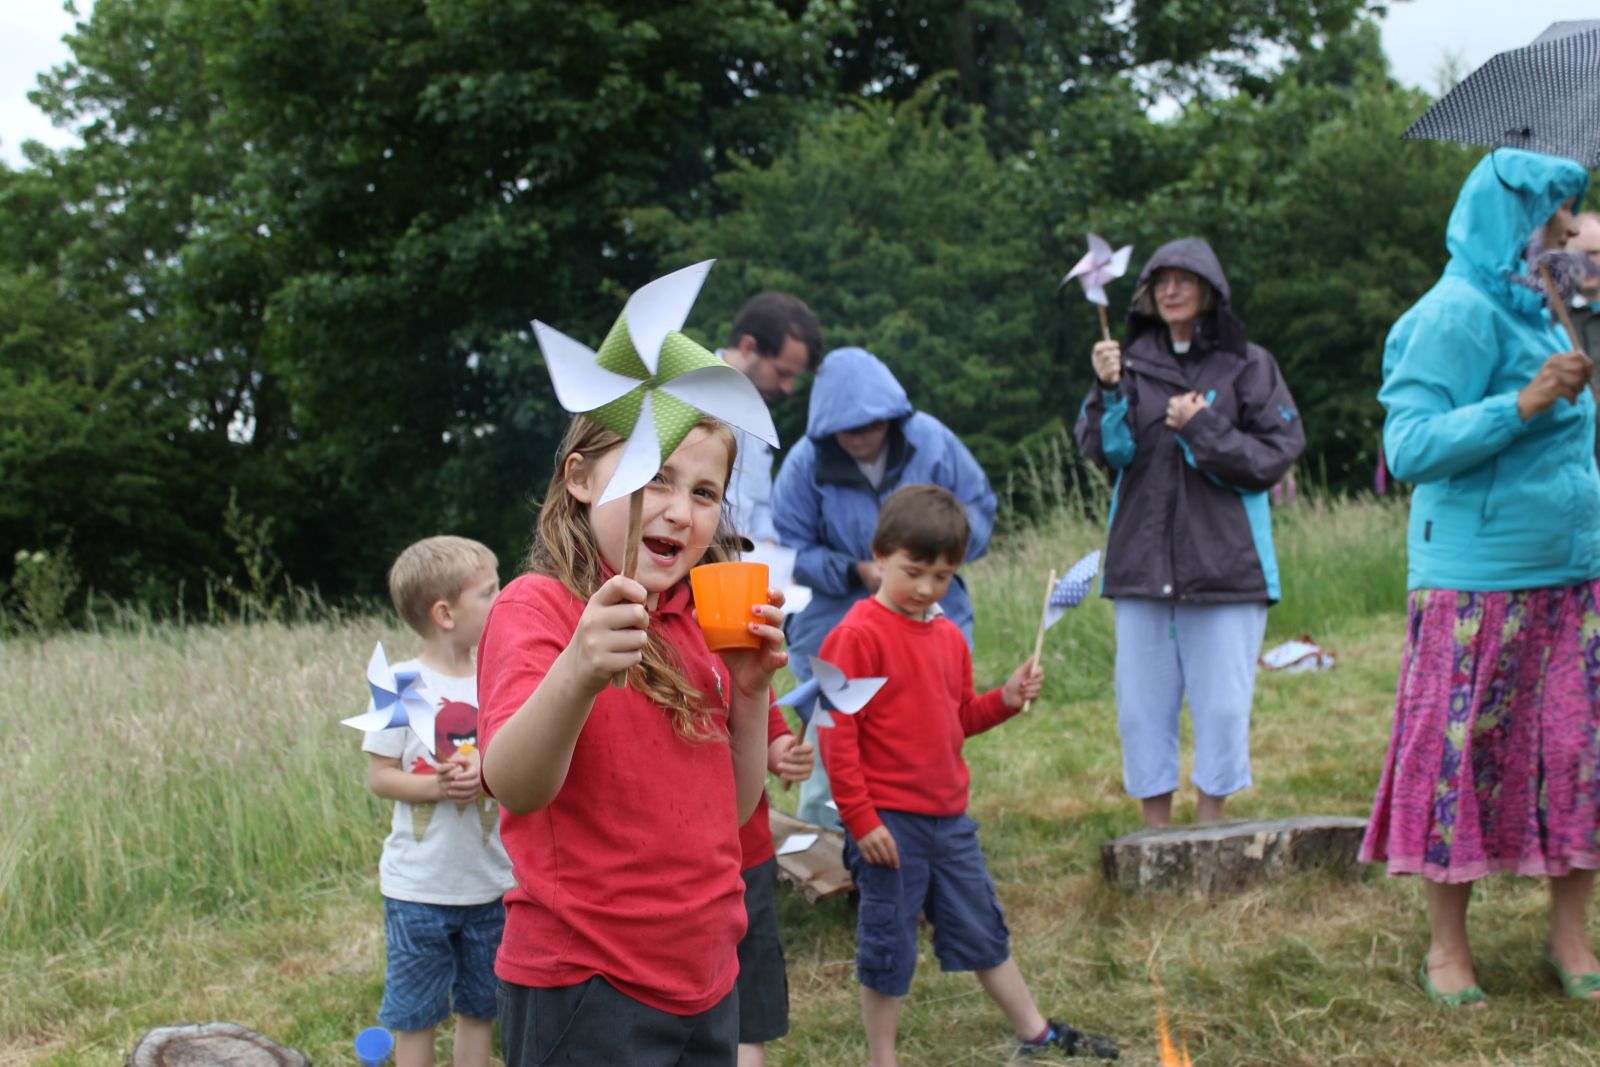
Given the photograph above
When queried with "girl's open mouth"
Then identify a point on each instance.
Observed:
(664, 550)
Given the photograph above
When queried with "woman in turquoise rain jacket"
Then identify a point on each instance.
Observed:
(1494, 761)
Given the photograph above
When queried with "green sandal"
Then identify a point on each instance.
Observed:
(1459, 999)
(1577, 986)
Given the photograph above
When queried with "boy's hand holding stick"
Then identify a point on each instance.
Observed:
(791, 759)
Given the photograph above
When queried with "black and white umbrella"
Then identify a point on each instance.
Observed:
(1544, 97)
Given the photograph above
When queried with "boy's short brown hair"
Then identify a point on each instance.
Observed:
(434, 569)
(926, 522)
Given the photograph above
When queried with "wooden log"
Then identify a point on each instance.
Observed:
(818, 872)
(1222, 857)
(213, 1044)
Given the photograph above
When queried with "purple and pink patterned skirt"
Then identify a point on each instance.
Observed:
(1494, 764)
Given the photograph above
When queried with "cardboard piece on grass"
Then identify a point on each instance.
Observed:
(399, 698)
(817, 871)
(649, 382)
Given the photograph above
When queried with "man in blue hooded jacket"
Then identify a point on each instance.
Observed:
(863, 441)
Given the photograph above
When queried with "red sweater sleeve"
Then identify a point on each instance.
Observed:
(981, 712)
(854, 651)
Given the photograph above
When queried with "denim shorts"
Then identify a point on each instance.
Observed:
(441, 956)
(942, 873)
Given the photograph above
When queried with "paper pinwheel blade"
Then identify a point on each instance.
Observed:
(800, 695)
(649, 382)
(831, 690)
(661, 307)
(398, 699)
(1070, 591)
(1098, 267)
(848, 695)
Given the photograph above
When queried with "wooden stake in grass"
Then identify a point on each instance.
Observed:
(1038, 642)
(630, 557)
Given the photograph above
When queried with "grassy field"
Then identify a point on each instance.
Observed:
(187, 836)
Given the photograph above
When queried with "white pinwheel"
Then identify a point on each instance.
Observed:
(399, 698)
(649, 382)
(1098, 267)
(830, 689)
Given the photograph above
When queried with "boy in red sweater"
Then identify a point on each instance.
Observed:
(901, 784)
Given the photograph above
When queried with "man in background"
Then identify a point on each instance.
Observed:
(774, 339)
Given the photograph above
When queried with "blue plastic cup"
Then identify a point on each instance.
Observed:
(373, 1046)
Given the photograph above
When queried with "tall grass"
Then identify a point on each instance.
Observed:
(187, 835)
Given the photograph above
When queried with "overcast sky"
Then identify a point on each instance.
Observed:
(1418, 35)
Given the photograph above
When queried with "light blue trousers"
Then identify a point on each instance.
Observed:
(1165, 650)
(816, 795)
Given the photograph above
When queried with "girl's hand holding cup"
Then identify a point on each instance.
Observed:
(611, 632)
(752, 668)
(728, 603)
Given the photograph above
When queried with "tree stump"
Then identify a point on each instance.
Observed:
(212, 1045)
(1221, 857)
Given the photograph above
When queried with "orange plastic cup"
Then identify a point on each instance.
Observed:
(724, 593)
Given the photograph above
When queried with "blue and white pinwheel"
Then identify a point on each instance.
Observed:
(1070, 590)
(829, 690)
(649, 382)
(399, 698)
(1059, 597)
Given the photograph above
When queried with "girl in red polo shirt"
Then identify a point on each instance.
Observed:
(621, 808)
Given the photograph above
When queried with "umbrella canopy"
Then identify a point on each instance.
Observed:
(1544, 97)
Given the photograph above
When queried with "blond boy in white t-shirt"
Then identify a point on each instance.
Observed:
(443, 870)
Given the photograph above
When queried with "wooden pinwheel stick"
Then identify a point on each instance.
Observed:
(1105, 323)
(1044, 613)
(1561, 308)
(630, 557)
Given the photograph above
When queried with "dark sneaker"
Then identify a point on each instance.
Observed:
(1073, 1042)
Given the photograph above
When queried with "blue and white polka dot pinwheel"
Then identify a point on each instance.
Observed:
(1071, 590)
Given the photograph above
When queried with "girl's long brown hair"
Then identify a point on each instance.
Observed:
(564, 548)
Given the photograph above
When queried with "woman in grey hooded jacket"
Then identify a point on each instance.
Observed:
(1197, 425)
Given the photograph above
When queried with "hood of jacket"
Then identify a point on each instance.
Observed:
(1219, 327)
(852, 389)
(1508, 195)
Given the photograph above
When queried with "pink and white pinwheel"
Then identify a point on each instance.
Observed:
(1098, 267)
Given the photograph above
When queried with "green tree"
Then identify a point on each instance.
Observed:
(898, 226)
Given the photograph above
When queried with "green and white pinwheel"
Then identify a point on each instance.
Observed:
(649, 382)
